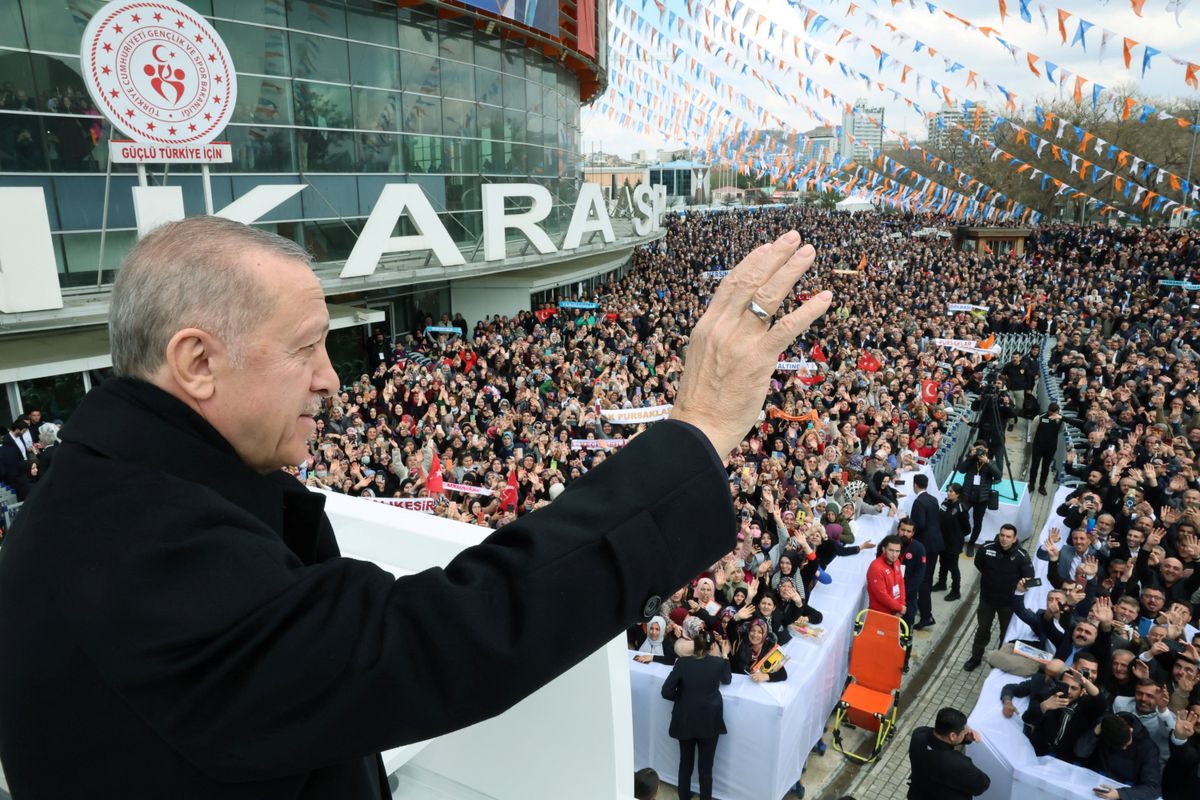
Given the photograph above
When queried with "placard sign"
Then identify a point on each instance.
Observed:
(159, 72)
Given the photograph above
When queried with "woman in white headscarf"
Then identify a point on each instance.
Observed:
(655, 647)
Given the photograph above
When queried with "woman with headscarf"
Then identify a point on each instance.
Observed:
(697, 720)
(656, 646)
(751, 648)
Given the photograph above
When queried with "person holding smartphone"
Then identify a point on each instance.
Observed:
(939, 768)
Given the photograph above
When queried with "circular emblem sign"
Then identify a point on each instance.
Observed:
(159, 72)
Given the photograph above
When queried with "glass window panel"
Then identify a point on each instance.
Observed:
(372, 21)
(260, 149)
(491, 155)
(374, 66)
(376, 111)
(12, 30)
(458, 118)
(422, 153)
(487, 53)
(57, 27)
(537, 160)
(418, 32)
(268, 12)
(319, 58)
(487, 86)
(422, 114)
(22, 143)
(320, 105)
(514, 92)
(514, 125)
(203, 6)
(458, 80)
(534, 97)
(59, 395)
(534, 135)
(456, 42)
(461, 155)
(512, 62)
(379, 152)
(59, 84)
(255, 48)
(18, 92)
(463, 193)
(326, 151)
(263, 101)
(491, 122)
(515, 161)
(72, 143)
(550, 103)
(420, 73)
(318, 16)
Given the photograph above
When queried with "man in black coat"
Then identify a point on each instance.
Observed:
(175, 616)
(979, 473)
(14, 458)
(1120, 747)
(1045, 446)
(939, 769)
(955, 524)
(1001, 563)
(914, 563)
(927, 522)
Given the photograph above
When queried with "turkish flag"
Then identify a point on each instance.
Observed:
(544, 314)
(508, 495)
(868, 362)
(929, 392)
(434, 483)
(818, 354)
(811, 380)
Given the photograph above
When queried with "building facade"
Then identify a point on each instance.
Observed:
(342, 96)
(862, 131)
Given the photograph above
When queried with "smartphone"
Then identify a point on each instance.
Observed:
(1032, 582)
(900, 482)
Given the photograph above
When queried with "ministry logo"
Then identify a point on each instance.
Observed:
(159, 72)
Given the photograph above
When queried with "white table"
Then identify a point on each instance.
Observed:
(771, 726)
(1016, 510)
(1007, 757)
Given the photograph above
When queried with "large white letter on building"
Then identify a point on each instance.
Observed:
(28, 272)
(590, 198)
(376, 238)
(496, 222)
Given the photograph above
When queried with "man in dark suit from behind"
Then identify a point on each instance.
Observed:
(939, 769)
(926, 517)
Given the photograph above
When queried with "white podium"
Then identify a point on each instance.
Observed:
(574, 736)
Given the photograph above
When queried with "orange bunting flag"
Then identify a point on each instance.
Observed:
(1003, 10)
(1189, 76)
(1077, 96)
(971, 76)
(841, 38)
(850, 11)
(987, 30)
(1129, 104)
(1033, 59)
(1129, 45)
(1137, 6)
(1062, 24)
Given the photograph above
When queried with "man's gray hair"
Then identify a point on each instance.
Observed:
(48, 434)
(189, 274)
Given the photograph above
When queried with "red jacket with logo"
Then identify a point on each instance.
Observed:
(885, 586)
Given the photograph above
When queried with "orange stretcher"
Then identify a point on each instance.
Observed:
(872, 694)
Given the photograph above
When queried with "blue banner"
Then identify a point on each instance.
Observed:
(577, 304)
(442, 329)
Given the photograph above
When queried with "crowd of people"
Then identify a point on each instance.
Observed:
(489, 424)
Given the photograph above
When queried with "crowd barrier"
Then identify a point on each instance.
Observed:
(1005, 753)
(772, 727)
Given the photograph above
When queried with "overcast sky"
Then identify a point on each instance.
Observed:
(970, 48)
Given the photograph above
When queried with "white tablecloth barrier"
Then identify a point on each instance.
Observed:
(1007, 757)
(772, 726)
(1017, 773)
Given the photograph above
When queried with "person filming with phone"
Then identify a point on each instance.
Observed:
(939, 769)
(979, 473)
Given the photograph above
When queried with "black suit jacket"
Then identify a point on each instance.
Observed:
(695, 686)
(927, 523)
(177, 625)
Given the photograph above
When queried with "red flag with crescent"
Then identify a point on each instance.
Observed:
(929, 392)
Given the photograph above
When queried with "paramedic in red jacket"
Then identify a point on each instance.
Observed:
(885, 581)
